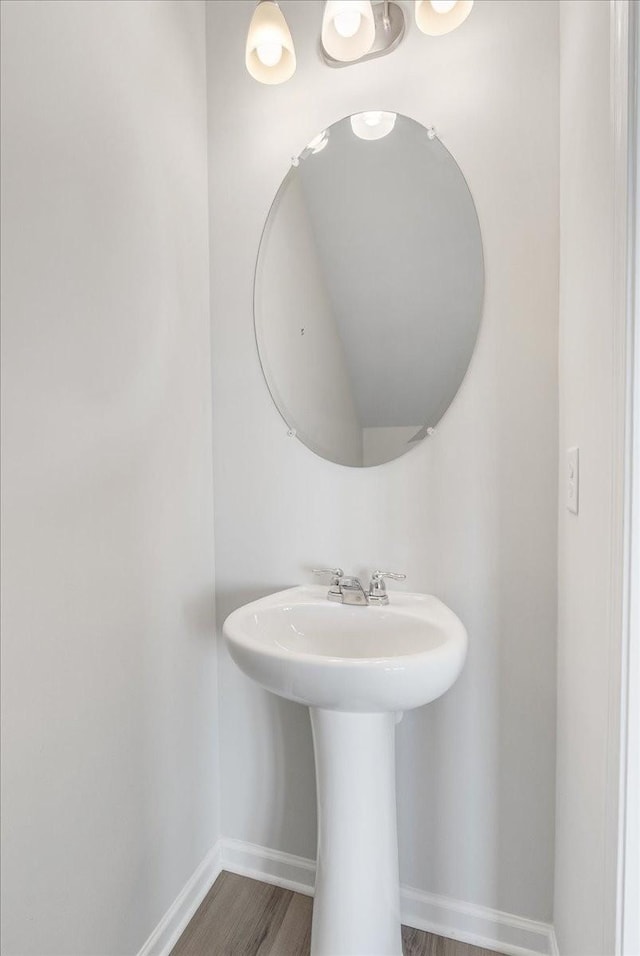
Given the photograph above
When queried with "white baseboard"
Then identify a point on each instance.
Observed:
(260, 863)
(467, 922)
(168, 931)
(476, 925)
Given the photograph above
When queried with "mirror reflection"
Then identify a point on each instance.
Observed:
(369, 287)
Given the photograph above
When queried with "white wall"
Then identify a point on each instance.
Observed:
(299, 340)
(586, 420)
(108, 667)
(470, 515)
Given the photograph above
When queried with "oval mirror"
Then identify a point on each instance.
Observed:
(368, 288)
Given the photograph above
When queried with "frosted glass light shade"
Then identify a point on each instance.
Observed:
(374, 124)
(268, 30)
(352, 47)
(435, 23)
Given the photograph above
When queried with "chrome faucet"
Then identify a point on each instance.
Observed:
(349, 590)
(352, 591)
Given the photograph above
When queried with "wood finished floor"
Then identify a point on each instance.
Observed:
(243, 917)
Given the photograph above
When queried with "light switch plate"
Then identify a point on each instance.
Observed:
(573, 479)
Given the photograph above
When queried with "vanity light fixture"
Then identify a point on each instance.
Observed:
(375, 124)
(348, 29)
(437, 17)
(378, 29)
(352, 31)
(270, 56)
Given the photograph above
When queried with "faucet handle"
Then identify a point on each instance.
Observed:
(336, 573)
(393, 575)
(335, 592)
(377, 589)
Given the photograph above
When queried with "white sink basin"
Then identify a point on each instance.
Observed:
(356, 668)
(303, 647)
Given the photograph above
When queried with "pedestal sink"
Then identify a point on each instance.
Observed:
(357, 669)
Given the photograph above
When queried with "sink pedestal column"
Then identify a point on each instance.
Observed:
(356, 910)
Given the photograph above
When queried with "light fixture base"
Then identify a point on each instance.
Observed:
(390, 26)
